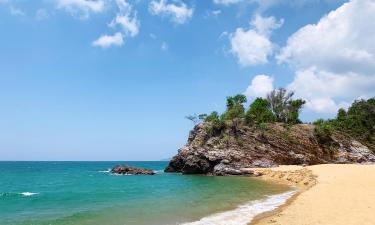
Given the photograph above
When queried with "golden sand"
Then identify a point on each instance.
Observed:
(329, 194)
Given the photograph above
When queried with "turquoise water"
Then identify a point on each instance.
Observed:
(85, 193)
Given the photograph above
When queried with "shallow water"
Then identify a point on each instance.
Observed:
(85, 193)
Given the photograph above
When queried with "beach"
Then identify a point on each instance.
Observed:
(330, 194)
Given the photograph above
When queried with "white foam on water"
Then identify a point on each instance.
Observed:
(244, 214)
(104, 171)
(159, 171)
(28, 193)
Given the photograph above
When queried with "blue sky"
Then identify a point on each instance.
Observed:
(113, 80)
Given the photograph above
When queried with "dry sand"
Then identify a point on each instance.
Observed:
(330, 195)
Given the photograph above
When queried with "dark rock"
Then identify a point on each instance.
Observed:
(127, 170)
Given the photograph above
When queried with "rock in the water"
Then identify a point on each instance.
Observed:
(127, 170)
(227, 152)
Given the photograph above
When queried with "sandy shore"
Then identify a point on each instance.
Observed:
(330, 195)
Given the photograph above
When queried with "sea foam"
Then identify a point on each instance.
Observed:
(28, 193)
(245, 213)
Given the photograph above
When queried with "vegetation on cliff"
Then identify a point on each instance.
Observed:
(357, 122)
(279, 106)
(269, 132)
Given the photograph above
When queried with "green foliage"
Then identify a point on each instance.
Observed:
(202, 117)
(359, 121)
(193, 118)
(259, 112)
(293, 110)
(323, 130)
(235, 107)
(216, 124)
(284, 108)
(341, 115)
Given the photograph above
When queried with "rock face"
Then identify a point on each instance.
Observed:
(250, 146)
(127, 170)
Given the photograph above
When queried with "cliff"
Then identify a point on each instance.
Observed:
(226, 152)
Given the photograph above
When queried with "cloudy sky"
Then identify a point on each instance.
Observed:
(113, 79)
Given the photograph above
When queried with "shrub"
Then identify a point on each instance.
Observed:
(259, 112)
(323, 130)
(215, 123)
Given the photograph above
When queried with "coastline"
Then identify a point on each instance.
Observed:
(334, 194)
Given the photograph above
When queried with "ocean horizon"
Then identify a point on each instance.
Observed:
(85, 192)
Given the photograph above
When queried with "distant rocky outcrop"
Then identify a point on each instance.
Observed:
(226, 152)
(127, 170)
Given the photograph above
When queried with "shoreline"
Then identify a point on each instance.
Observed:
(324, 199)
(284, 175)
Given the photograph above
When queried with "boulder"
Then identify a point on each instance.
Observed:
(127, 170)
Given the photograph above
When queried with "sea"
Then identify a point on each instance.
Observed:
(86, 193)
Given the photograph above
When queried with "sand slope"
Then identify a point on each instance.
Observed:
(343, 195)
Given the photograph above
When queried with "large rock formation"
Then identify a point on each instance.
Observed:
(226, 152)
(127, 170)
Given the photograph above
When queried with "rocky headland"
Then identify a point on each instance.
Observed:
(269, 145)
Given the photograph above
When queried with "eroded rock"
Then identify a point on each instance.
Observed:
(278, 144)
(127, 170)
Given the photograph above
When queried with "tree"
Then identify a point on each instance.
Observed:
(202, 117)
(360, 119)
(358, 122)
(235, 108)
(193, 118)
(293, 110)
(341, 115)
(284, 107)
(278, 100)
(259, 112)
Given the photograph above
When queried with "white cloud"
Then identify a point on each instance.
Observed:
(16, 11)
(260, 86)
(265, 4)
(264, 25)
(81, 8)
(335, 58)
(227, 2)
(164, 46)
(212, 13)
(126, 18)
(253, 46)
(41, 14)
(106, 41)
(178, 11)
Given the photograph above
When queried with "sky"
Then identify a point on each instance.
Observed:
(114, 79)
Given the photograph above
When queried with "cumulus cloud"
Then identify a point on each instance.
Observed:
(126, 18)
(253, 46)
(335, 58)
(128, 22)
(260, 86)
(106, 41)
(178, 11)
(227, 2)
(265, 4)
(16, 11)
(81, 8)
